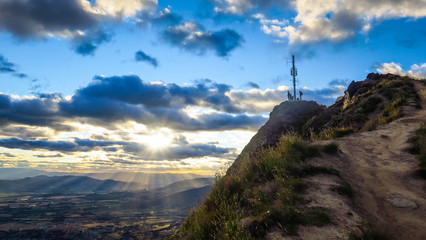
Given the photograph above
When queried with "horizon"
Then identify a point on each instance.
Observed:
(180, 87)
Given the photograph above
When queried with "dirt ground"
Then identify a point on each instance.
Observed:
(387, 194)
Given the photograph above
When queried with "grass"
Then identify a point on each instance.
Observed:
(392, 111)
(370, 105)
(419, 148)
(265, 194)
(331, 133)
(331, 148)
(371, 234)
(344, 190)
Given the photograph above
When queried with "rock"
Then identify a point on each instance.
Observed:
(400, 201)
(289, 116)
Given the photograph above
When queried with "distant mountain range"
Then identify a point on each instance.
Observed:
(84, 184)
(146, 180)
(64, 184)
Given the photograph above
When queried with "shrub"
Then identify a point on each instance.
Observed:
(263, 195)
(419, 148)
(371, 234)
(331, 148)
(370, 105)
(345, 190)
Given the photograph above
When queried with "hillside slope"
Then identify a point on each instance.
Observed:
(358, 184)
(380, 170)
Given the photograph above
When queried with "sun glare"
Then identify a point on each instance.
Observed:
(158, 140)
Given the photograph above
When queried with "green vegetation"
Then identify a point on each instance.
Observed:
(419, 142)
(392, 111)
(331, 148)
(265, 194)
(371, 104)
(378, 100)
(371, 234)
(345, 190)
(331, 133)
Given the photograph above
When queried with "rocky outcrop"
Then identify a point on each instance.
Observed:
(289, 116)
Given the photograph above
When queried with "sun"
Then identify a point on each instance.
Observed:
(158, 140)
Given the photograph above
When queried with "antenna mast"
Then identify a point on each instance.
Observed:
(294, 74)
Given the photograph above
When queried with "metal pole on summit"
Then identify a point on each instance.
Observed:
(294, 74)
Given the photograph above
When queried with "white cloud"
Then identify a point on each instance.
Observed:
(330, 20)
(233, 6)
(272, 27)
(121, 8)
(416, 71)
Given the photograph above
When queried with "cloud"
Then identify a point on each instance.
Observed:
(6, 66)
(87, 43)
(273, 27)
(316, 22)
(141, 56)
(107, 101)
(180, 151)
(166, 18)
(42, 17)
(240, 7)
(49, 155)
(77, 145)
(416, 71)
(132, 90)
(4, 101)
(77, 20)
(340, 82)
(31, 111)
(122, 8)
(184, 151)
(192, 37)
(253, 85)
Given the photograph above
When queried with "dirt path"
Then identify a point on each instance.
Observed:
(380, 170)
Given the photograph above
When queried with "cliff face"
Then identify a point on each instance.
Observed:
(326, 173)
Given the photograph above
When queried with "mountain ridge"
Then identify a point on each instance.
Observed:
(321, 180)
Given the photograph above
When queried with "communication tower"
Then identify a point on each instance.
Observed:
(294, 74)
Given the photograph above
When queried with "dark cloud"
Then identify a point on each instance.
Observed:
(4, 101)
(326, 96)
(346, 20)
(77, 145)
(253, 85)
(339, 82)
(180, 140)
(20, 75)
(9, 155)
(174, 152)
(192, 37)
(6, 66)
(33, 112)
(50, 95)
(132, 90)
(141, 56)
(87, 44)
(110, 100)
(36, 18)
(197, 150)
(23, 132)
(49, 155)
(167, 18)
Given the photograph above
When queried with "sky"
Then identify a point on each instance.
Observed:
(180, 86)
